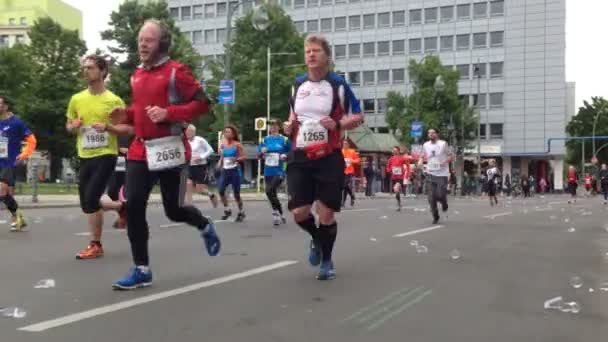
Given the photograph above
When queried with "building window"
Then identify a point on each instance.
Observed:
(313, 3)
(3, 40)
(415, 45)
(398, 47)
(430, 44)
(340, 2)
(340, 24)
(186, 13)
(221, 35)
(369, 78)
(197, 37)
(384, 19)
(327, 2)
(369, 50)
(464, 71)
(197, 12)
(369, 106)
(209, 11)
(209, 36)
(415, 17)
(300, 26)
(447, 43)
(286, 3)
(398, 76)
(480, 40)
(480, 70)
(496, 131)
(312, 25)
(382, 106)
(326, 25)
(497, 38)
(339, 51)
(496, 69)
(482, 131)
(399, 18)
(354, 78)
(354, 50)
(497, 8)
(496, 100)
(188, 36)
(384, 76)
(479, 101)
(221, 9)
(299, 3)
(20, 39)
(369, 21)
(174, 12)
(480, 10)
(12, 22)
(447, 14)
(384, 48)
(463, 42)
(463, 11)
(354, 22)
(430, 15)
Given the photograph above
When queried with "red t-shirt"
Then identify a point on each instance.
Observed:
(571, 176)
(395, 167)
(588, 181)
(150, 87)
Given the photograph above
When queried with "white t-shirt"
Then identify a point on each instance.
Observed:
(200, 148)
(436, 155)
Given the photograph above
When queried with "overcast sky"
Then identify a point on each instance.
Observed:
(586, 55)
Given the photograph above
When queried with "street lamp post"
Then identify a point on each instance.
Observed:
(478, 74)
(258, 17)
(593, 134)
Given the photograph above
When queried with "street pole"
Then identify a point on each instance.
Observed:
(259, 163)
(268, 56)
(227, 54)
(478, 71)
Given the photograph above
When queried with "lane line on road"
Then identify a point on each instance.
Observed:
(357, 210)
(73, 318)
(499, 215)
(376, 304)
(379, 312)
(422, 230)
(398, 311)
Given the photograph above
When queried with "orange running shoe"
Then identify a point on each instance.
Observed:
(93, 251)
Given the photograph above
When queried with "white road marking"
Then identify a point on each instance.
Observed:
(556, 203)
(73, 318)
(499, 215)
(354, 210)
(422, 230)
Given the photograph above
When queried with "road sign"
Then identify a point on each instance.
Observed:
(227, 92)
(416, 131)
(260, 124)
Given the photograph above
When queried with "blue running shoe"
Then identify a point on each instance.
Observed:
(212, 241)
(314, 256)
(327, 271)
(135, 279)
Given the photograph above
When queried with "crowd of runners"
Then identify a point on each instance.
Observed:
(125, 150)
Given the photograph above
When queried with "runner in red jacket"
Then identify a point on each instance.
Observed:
(396, 166)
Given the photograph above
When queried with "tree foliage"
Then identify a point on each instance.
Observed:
(582, 125)
(54, 54)
(434, 107)
(15, 71)
(248, 68)
(124, 28)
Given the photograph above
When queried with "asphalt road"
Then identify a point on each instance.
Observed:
(512, 259)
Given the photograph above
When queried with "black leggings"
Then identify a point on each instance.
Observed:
(172, 185)
(272, 185)
(347, 189)
(93, 178)
(116, 182)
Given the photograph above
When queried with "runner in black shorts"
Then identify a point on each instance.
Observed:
(493, 175)
(322, 105)
(117, 181)
(197, 170)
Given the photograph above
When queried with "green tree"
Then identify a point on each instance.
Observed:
(249, 48)
(15, 71)
(125, 24)
(55, 55)
(582, 125)
(434, 107)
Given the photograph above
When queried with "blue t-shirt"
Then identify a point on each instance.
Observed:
(12, 133)
(276, 145)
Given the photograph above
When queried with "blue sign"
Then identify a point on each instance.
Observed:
(416, 131)
(227, 92)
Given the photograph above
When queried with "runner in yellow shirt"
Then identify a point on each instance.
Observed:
(88, 117)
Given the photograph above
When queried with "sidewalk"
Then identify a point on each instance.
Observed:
(72, 201)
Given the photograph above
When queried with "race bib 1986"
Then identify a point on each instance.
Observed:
(91, 139)
(272, 159)
(165, 153)
(311, 132)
